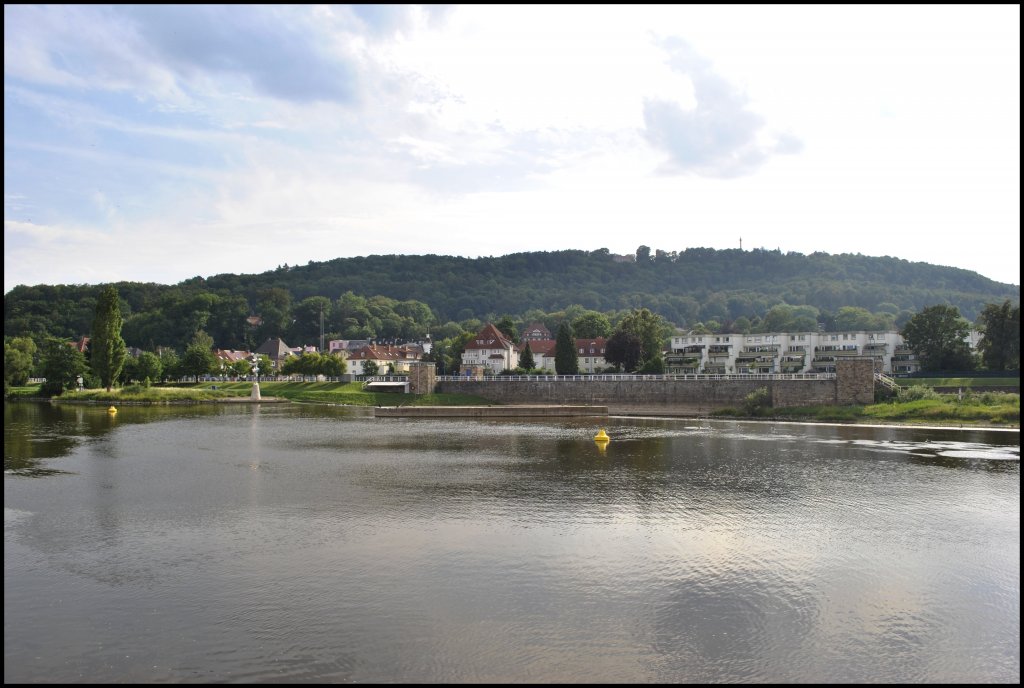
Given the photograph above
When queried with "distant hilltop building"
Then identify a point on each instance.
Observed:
(536, 331)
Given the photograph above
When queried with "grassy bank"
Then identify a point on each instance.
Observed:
(988, 409)
(348, 394)
(953, 382)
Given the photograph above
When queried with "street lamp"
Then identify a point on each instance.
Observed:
(256, 378)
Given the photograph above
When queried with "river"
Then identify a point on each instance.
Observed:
(309, 543)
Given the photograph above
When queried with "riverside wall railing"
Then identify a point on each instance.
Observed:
(743, 377)
(636, 393)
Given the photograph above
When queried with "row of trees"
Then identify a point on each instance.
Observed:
(634, 344)
(722, 291)
(938, 335)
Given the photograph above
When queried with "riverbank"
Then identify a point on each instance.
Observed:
(986, 410)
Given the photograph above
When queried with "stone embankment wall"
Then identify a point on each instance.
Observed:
(854, 384)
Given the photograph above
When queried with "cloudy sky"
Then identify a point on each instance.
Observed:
(157, 143)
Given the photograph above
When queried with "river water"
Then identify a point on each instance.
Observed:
(303, 543)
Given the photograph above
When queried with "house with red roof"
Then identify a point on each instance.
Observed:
(491, 351)
(589, 354)
(395, 356)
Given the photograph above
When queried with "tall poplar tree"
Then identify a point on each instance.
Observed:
(106, 347)
(567, 361)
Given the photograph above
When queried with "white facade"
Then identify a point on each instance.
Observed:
(491, 351)
(785, 352)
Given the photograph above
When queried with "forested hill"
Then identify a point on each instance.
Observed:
(698, 284)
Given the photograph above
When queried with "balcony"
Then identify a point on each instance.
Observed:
(682, 360)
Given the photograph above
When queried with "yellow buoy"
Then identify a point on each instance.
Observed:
(111, 410)
(602, 436)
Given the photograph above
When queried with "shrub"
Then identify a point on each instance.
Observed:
(916, 393)
(757, 400)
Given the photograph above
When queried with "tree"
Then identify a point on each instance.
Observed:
(623, 351)
(170, 364)
(62, 365)
(199, 359)
(526, 358)
(652, 331)
(106, 348)
(370, 368)
(148, 367)
(1000, 343)
(655, 365)
(937, 334)
(507, 326)
(592, 325)
(566, 359)
(306, 315)
(19, 359)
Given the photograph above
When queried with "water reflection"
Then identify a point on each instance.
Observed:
(34, 431)
(316, 544)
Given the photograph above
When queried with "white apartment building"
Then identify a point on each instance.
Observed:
(785, 352)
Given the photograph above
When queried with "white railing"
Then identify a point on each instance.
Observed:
(887, 381)
(624, 377)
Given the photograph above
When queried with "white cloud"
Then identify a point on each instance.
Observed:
(312, 132)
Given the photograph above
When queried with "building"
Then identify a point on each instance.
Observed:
(589, 354)
(785, 352)
(276, 350)
(397, 358)
(535, 332)
(490, 350)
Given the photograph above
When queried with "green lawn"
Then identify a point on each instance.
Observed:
(346, 393)
(965, 382)
(985, 409)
